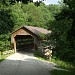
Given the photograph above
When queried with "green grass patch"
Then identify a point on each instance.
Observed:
(62, 72)
(39, 56)
(3, 57)
(64, 65)
(0, 55)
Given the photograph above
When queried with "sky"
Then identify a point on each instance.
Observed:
(47, 2)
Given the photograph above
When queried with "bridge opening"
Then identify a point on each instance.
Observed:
(24, 43)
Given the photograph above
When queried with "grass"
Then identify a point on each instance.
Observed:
(60, 64)
(63, 65)
(0, 55)
(40, 56)
(37, 54)
(3, 57)
(62, 72)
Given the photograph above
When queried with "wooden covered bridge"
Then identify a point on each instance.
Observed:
(29, 33)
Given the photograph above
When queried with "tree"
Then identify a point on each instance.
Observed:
(71, 5)
(7, 2)
(63, 28)
(68, 12)
(18, 15)
(54, 9)
(37, 16)
(12, 2)
(6, 23)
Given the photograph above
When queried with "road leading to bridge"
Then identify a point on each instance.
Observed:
(25, 64)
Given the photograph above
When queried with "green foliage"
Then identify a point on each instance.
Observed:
(63, 28)
(6, 24)
(66, 68)
(71, 34)
(54, 9)
(18, 16)
(59, 39)
(5, 42)
(39, 55)
(37, 16)
(43, 36)
(13, 2)
(0, 55)
(3, 57)
(62, 64)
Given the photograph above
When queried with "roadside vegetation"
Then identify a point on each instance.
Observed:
(62, 72)
(62, 67)
(4, 56)
(65, 68)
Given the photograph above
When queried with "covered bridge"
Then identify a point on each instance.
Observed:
(28, 32)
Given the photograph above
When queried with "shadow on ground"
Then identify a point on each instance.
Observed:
(25, 64)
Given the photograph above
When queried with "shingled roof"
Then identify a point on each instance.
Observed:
(35, 30)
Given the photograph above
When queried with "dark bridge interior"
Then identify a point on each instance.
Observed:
(24, 43)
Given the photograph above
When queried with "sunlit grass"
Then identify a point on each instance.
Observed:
(64, 65)
(68, 68)
(3, 57)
